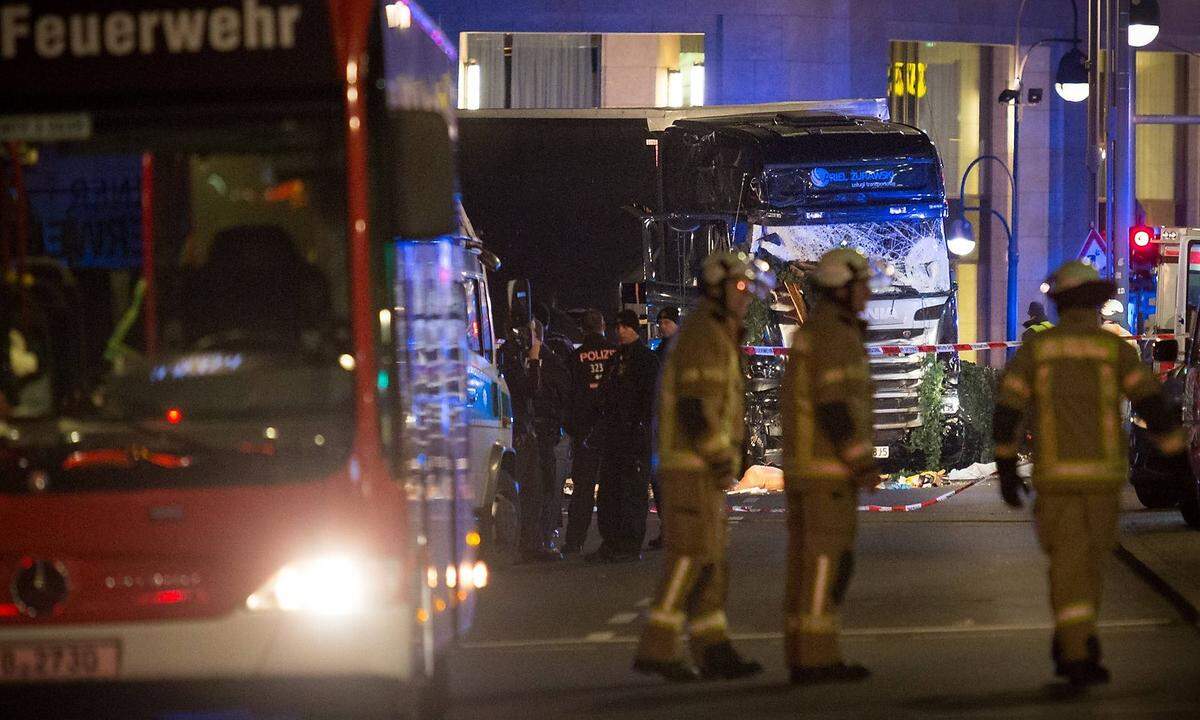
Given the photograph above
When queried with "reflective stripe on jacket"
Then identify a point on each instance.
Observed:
(827, 364)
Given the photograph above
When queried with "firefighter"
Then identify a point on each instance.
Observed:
(700, 429)
(1067, 384)
(590, 361)
(1111, 313)
(826, 402)
(623, 436)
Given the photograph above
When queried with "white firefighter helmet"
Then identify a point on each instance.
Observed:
(725, 265)
(843, 265)
(1112, 309)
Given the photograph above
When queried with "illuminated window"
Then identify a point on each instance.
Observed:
(579, 70)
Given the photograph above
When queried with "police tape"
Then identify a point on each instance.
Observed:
(899, 350)
(916, 506)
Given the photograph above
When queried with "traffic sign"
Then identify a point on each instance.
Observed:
(1095, 251)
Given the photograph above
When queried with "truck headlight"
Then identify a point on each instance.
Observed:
(329, 585)
(950, 404)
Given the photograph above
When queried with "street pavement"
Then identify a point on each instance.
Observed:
(948, 606)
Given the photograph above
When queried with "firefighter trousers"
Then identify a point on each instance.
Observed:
(692, 594)
(1078, 532)
(821, 529)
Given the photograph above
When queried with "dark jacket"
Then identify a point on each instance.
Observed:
(660, 352)
(627, 400)
(540, 391)
(589, 362)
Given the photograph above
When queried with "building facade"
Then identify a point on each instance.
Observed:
(942, 65)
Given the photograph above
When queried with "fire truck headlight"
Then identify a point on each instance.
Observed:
(329, 585)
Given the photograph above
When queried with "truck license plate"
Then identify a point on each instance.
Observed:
(882, 451)
(58, 661)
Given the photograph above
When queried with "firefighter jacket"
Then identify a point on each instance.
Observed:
(589, 362)
(701, 396)
(1067, 383)
(700, 430)
(627, 401)
(827, 366)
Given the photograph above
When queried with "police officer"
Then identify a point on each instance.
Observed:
(700, 430)
(590, 361)
(1067, 384)
(1036, 322)
(538, 380)
(623, 436)
(826, 404)
(668, 325)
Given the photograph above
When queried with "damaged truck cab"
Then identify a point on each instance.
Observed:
(793, 185)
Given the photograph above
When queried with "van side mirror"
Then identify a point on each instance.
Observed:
(1165, 351)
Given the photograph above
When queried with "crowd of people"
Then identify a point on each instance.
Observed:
(682, 405)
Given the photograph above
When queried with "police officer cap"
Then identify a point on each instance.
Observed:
(725, 265)
(1077, 283)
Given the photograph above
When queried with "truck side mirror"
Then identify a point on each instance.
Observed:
(1165, 350)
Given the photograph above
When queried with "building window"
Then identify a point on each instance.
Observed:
(580, 70)
(1162, 150)
(936, 87)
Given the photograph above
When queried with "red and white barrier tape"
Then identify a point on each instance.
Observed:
(915, 506)
(894, 350)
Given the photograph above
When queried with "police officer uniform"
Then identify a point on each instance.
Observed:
(1067, 384)
(590, 362)
(623, 436)
(699, 439)
(826, 405)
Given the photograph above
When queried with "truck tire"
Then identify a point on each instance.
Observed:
(1156, 496)
(1189, 505)
(1155, 490)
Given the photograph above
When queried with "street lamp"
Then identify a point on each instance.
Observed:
(1071, 80)
(962, 237)
(1143, 22)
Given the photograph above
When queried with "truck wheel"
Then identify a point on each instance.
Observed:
(1189, 505)
(1156, 495)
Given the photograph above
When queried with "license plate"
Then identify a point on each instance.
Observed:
(882, 451)
(58, 661)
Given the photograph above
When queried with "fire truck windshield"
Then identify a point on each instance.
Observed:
(194, 281)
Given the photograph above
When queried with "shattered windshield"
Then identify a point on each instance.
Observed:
(915, 248)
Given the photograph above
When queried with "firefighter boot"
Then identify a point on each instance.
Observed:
(1087, 672)
(676, 671)
(722, 662)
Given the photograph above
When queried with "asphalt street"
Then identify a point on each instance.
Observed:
(948, 607)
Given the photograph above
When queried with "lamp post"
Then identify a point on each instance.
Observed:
(962, 236)
(1070, 83)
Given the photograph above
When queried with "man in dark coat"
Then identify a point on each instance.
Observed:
(623, 437)
(537, 378)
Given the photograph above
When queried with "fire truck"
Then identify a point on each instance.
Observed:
(263, 421)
